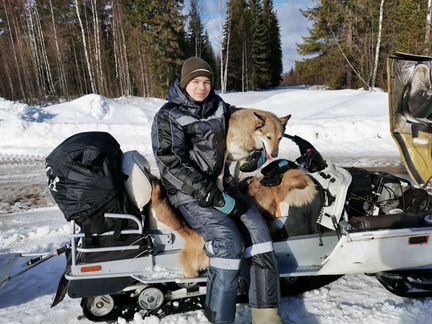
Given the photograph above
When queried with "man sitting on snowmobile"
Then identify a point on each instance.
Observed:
(188, 137)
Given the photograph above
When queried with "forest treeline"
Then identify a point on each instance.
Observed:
(60, 49)
(52, 50)
(349, 40)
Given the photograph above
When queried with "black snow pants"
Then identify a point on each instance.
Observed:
(227, 242)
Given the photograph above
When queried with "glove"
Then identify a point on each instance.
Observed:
(213, 194)
(222, 202)
(229, 183)
(254, 161)
(228, 205)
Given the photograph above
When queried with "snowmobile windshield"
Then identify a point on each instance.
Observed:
(410, 107)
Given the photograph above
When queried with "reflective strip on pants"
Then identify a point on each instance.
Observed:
(259, 249)
(225, 264)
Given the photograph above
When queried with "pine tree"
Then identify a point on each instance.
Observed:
(195, 31)
(343, 40)
(209, 56)
(197, 39)
(261, 52)
(319, 42)
(235, 27)
(163, 34)
(273, 33)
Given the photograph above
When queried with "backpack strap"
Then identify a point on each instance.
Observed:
(118, 225)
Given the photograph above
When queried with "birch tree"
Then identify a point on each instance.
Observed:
(14, 52)
(39, 79)
(42, 48)
(120, 51)
(428, 27)
(224, 67)
(97, 51)
(86, 52)
(60, 64)
(378, 45)
(219, 31)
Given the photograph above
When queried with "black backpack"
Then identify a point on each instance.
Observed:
(85, 179)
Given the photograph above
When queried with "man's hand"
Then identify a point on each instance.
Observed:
(222, 202)
(230, 206)
(213, 194)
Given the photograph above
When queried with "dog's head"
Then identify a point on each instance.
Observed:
(269, 130)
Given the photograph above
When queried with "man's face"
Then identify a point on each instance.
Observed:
(199, 88)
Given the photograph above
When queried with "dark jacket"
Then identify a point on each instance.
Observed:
(189, 142)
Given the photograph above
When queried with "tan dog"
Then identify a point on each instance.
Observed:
(253, 129)
(296, 189)
(192, 259)
(250, 130)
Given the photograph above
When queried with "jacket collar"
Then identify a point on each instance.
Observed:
(180, 97)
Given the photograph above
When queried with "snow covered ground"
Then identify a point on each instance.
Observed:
(349, 126)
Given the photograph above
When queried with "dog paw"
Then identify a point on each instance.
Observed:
(189, 273)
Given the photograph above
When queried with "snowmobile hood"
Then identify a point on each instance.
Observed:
(410, 105)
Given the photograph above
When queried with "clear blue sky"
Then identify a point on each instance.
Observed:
(292, 24)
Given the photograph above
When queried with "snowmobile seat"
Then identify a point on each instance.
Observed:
(138, 185)
(391, 221)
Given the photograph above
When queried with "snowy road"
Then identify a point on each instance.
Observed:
(22, 185)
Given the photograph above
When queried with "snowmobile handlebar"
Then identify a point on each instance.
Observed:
(310, 159)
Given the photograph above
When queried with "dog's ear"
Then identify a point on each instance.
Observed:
(284, 120)
(259, 120)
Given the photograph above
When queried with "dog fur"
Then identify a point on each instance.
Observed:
(250, 130)
(193, 258)
(253, 129)
(296, 189)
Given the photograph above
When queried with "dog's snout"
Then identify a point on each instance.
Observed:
(274, 154)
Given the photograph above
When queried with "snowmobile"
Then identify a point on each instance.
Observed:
(367, 222)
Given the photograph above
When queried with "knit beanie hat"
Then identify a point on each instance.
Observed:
(194, 67)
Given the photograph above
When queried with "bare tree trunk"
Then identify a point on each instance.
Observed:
(225, 73)
(86, 53)
(78, 71)
(350, 51)
(144, 94)
(243, 66)
(18, 72)
(44, 55)
(147, 74)
(61, 70)
(40, 79)
(8, 75)
(378, 45)
(115, 46)
(221, 13)
(428, 27)
(126, 64)
(120, 53)
(98, 56)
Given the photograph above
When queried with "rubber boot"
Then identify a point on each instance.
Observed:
(266, 316)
